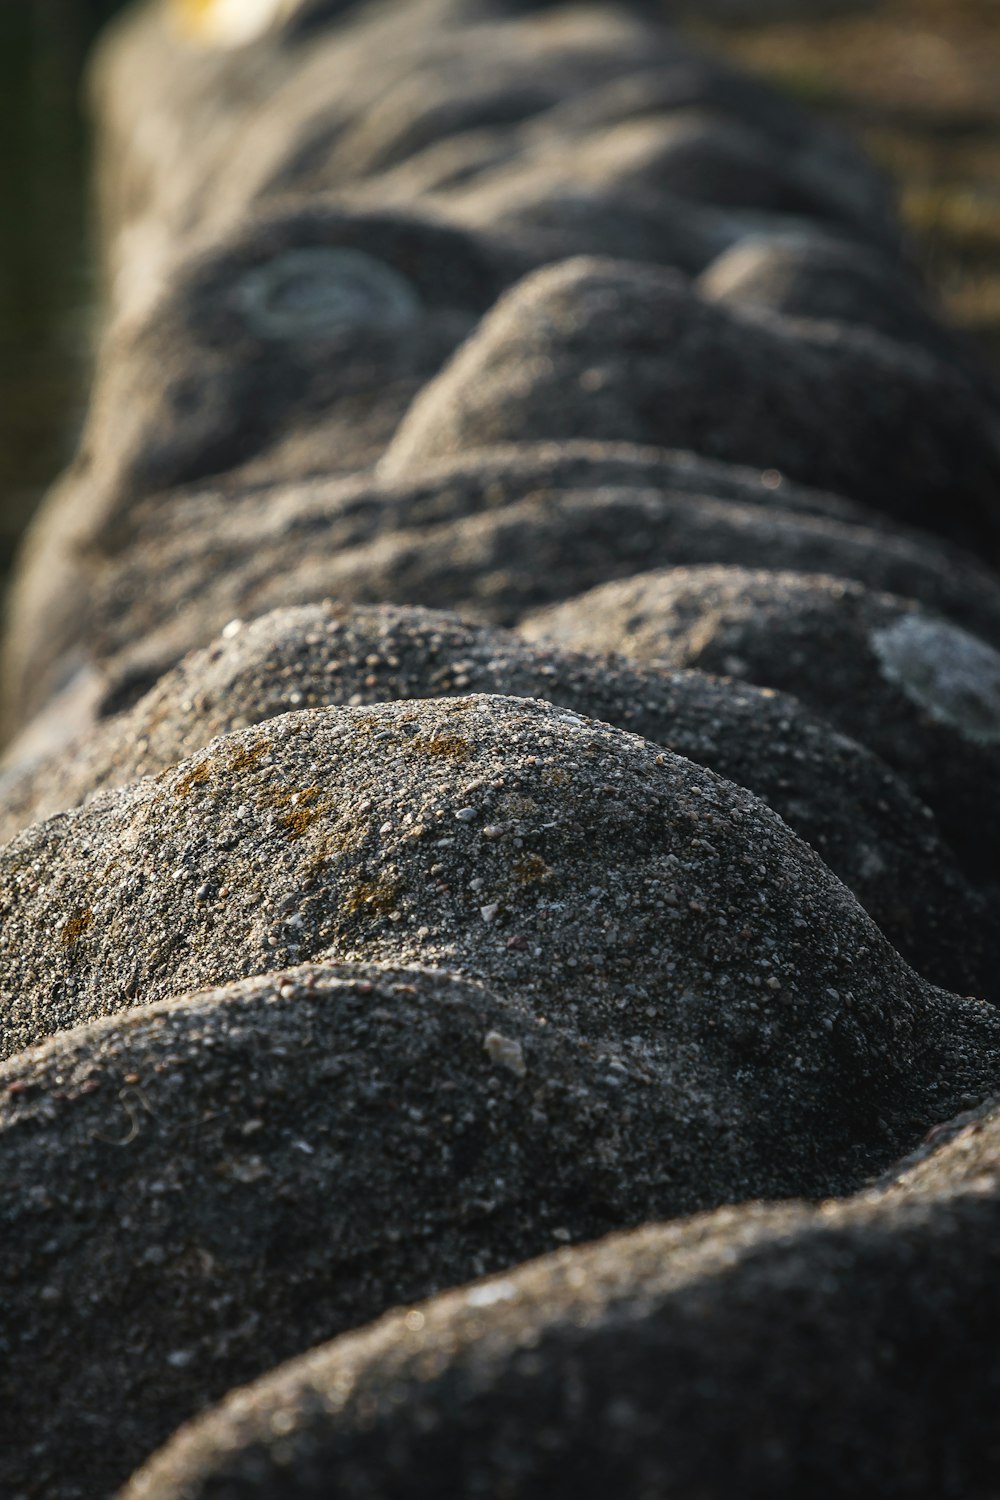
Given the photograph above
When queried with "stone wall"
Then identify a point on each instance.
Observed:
(502, 799)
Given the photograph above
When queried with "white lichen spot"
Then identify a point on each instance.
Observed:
(505, 1053)
(949, 674)
(325, 293)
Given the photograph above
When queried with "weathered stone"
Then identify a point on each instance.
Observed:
(186, 574)
(838, 797)
(832, 280)
(921, 693)
(550, 856)
(662, 163)
(688, 1359)
(201, 1189)
(630, 352)
(73, 605)
(290, 350)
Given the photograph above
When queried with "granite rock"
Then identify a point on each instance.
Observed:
(200, 1189)
(832, 280)
(920, 692)
(834, 794)
(183, 579)
(547, 855)
(686, 1359)
(630, 352)
(289, 350)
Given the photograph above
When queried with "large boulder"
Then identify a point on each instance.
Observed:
(631, 352)
(845, 803)
(464, 543)
(920, 692)
(290, 349)
(585, 870)
(810, 276)
(767, 1351)
(200, 1189)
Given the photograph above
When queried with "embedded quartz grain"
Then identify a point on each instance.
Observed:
(920, 693)
(845, 803)
(687, 1359)
(178, 585)
(630, 352)
(198, 1190)
(289, 349)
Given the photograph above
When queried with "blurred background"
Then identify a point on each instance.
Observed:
(919, 80)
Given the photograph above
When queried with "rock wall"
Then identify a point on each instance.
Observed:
(504, 738)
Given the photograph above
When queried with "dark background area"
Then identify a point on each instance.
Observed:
(46, 287)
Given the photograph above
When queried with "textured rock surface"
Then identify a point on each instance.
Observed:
(201, 1189)
(922, 694)
(403, 82)
(662, 1362)
(491, 974)
(630, 352)
(290, 350)
(179, 584)
(77, 601)
(826, 279)
(550, 856)
(846, 804)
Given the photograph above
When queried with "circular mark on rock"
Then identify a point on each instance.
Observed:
(320, 293)
(951, 675)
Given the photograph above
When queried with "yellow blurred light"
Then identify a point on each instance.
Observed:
(228, 23)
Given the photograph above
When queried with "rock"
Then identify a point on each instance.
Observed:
(179, 583)
(108, 596)
(203, 1188)
(674, 159)
(684, 1359)
(624, 352)
(827, 279)
(549, 856)
(921, 693)
(835, 795)
(222, 125)
(290, 350)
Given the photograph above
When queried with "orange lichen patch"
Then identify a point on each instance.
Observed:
(77, 925)
(301, 806)
(197, 777)
(247, 760)
(376, 897)
(446, 746)
(529, 868)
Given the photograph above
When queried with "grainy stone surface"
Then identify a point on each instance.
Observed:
(831, 280)
(292, 349)
(922, 694)
(550, 856)
(666, 165)
(178, 584)
(238, 547)
(493, 975)
(200, 1189)
(630, 352)
(844, 802)
(849, 1349)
